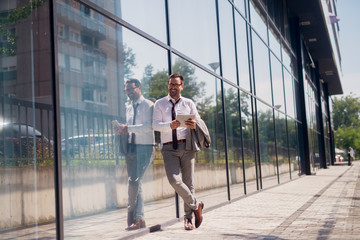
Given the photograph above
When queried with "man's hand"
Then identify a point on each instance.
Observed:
(190, 123)
(120, 129)
(115, 127)
(174, 124)
(123, 128)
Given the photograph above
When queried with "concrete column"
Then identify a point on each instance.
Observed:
(300, 100)
(319, 117)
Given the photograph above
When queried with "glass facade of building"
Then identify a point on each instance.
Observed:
(64, 64)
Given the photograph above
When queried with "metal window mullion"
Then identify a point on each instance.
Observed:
(57, 139)
(270, 53)
(223, 101)
(253, 103)
(276, 146)
(320, 122)
(288, 145)
(239, 102)
(301, 101)
(331, 133)
(169, 53)
(168, 36)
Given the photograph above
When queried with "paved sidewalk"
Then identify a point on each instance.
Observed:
(321, 206)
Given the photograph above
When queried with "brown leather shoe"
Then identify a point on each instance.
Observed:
(188, 224)
(136, 225)
(198, 214)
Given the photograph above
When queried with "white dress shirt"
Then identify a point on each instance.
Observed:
(142, 128)
(162, 116)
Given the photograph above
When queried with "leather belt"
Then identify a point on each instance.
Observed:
(179, 141)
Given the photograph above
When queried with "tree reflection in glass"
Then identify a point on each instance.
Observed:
(266, 145)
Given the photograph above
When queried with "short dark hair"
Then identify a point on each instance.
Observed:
(176, 75)
(133, 80)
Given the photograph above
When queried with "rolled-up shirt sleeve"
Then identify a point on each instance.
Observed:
(159, 123)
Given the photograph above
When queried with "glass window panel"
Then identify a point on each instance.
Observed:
(242, 52)
(96, 170)
(327, 151)
(227, 41)
(275, 9)
(325, 123)
(282, 147)
(27, 195)
(289, 94)
(234, 140)
(311, 156)
(286, 58)
(315, 152)
(267, 145)
(148, 16)
(293, 67)
(295, 160)
(258, 22)
(205, 90)
(261, 70)
(194, 29)
(274, 42)
(240, 5)
(296, 90)
(307, 103)
(248, 141)
(286, 29)
(277, 83)
(312, 124)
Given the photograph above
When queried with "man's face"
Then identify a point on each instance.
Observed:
(132, 91)
(175, 86)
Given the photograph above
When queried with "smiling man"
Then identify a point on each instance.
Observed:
(179, 162)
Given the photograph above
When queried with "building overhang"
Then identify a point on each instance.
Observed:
(315, 24)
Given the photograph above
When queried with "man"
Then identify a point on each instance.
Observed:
(352, 153)
(139, 151)
(177, 159)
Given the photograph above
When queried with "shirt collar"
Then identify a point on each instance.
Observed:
(171, 99)
(140, 99)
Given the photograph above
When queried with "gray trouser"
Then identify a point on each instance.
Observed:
(176, 162)
(136, 163)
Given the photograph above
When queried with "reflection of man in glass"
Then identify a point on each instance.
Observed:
(140, 149)
(177, 159)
